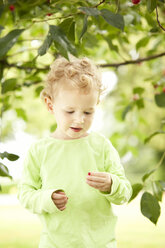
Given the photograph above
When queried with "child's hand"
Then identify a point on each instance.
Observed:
(100, 180)
(60, 199)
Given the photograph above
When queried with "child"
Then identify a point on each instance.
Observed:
(71, 178)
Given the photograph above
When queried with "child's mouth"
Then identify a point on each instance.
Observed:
(76, 129)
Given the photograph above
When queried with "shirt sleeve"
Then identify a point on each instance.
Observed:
(30, 192)
(121, 189)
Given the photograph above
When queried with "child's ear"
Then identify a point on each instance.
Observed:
(49, 104)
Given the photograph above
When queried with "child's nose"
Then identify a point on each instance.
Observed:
(79, 119)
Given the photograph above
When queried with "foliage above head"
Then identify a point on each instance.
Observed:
(77, 27)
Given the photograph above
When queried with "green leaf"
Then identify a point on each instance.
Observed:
(9, 85)
(68, 27)
(1, 28)
(148, 174)
(85, 25)
(157, 190)
(71, 32)
(90, 11)
(152, 135)
(126, 110)
(45, 46)
(154, 30)
(151, 5)
(162, 183)
(138, 90)
(136, 189)
(4, 172)
(61, 42)
(9, 156)
(142, 43)
(111, 45)
(65, 25)
(115, 20)
(150, 207)
(1, 8)
(140, 103)
(160, 100)
(21, 113)
(38, 91)
(9, 40)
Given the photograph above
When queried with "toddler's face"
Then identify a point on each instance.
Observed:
(74, 112)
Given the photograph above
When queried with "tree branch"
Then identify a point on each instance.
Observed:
(157, 17)
(133, 61)
(6, 64)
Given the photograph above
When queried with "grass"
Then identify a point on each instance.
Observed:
(21, 229)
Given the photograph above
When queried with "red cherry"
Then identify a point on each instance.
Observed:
(135, 1)
(49, 14)
(163, 90)
(12, 7)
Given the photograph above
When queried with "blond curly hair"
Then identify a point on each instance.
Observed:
(82, 74)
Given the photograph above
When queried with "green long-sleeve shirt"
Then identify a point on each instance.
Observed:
(88, 220)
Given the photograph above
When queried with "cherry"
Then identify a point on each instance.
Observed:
(163, 90)
(135, 1)
(12, 7)
(49, 14)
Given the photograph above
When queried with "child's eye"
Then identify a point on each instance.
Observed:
(70, 112)
(87, 113)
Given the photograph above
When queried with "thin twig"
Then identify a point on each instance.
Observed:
(99, 4)
(157, 17)
(161, 160)
(54, 18)
(118, 6)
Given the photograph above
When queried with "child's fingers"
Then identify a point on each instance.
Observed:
(61, 204)
(62, 208)
(60, 192)
(58, 195)
(59, 198)
(61, 201)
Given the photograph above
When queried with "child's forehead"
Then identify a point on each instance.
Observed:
(69, 90)
(72, 97)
